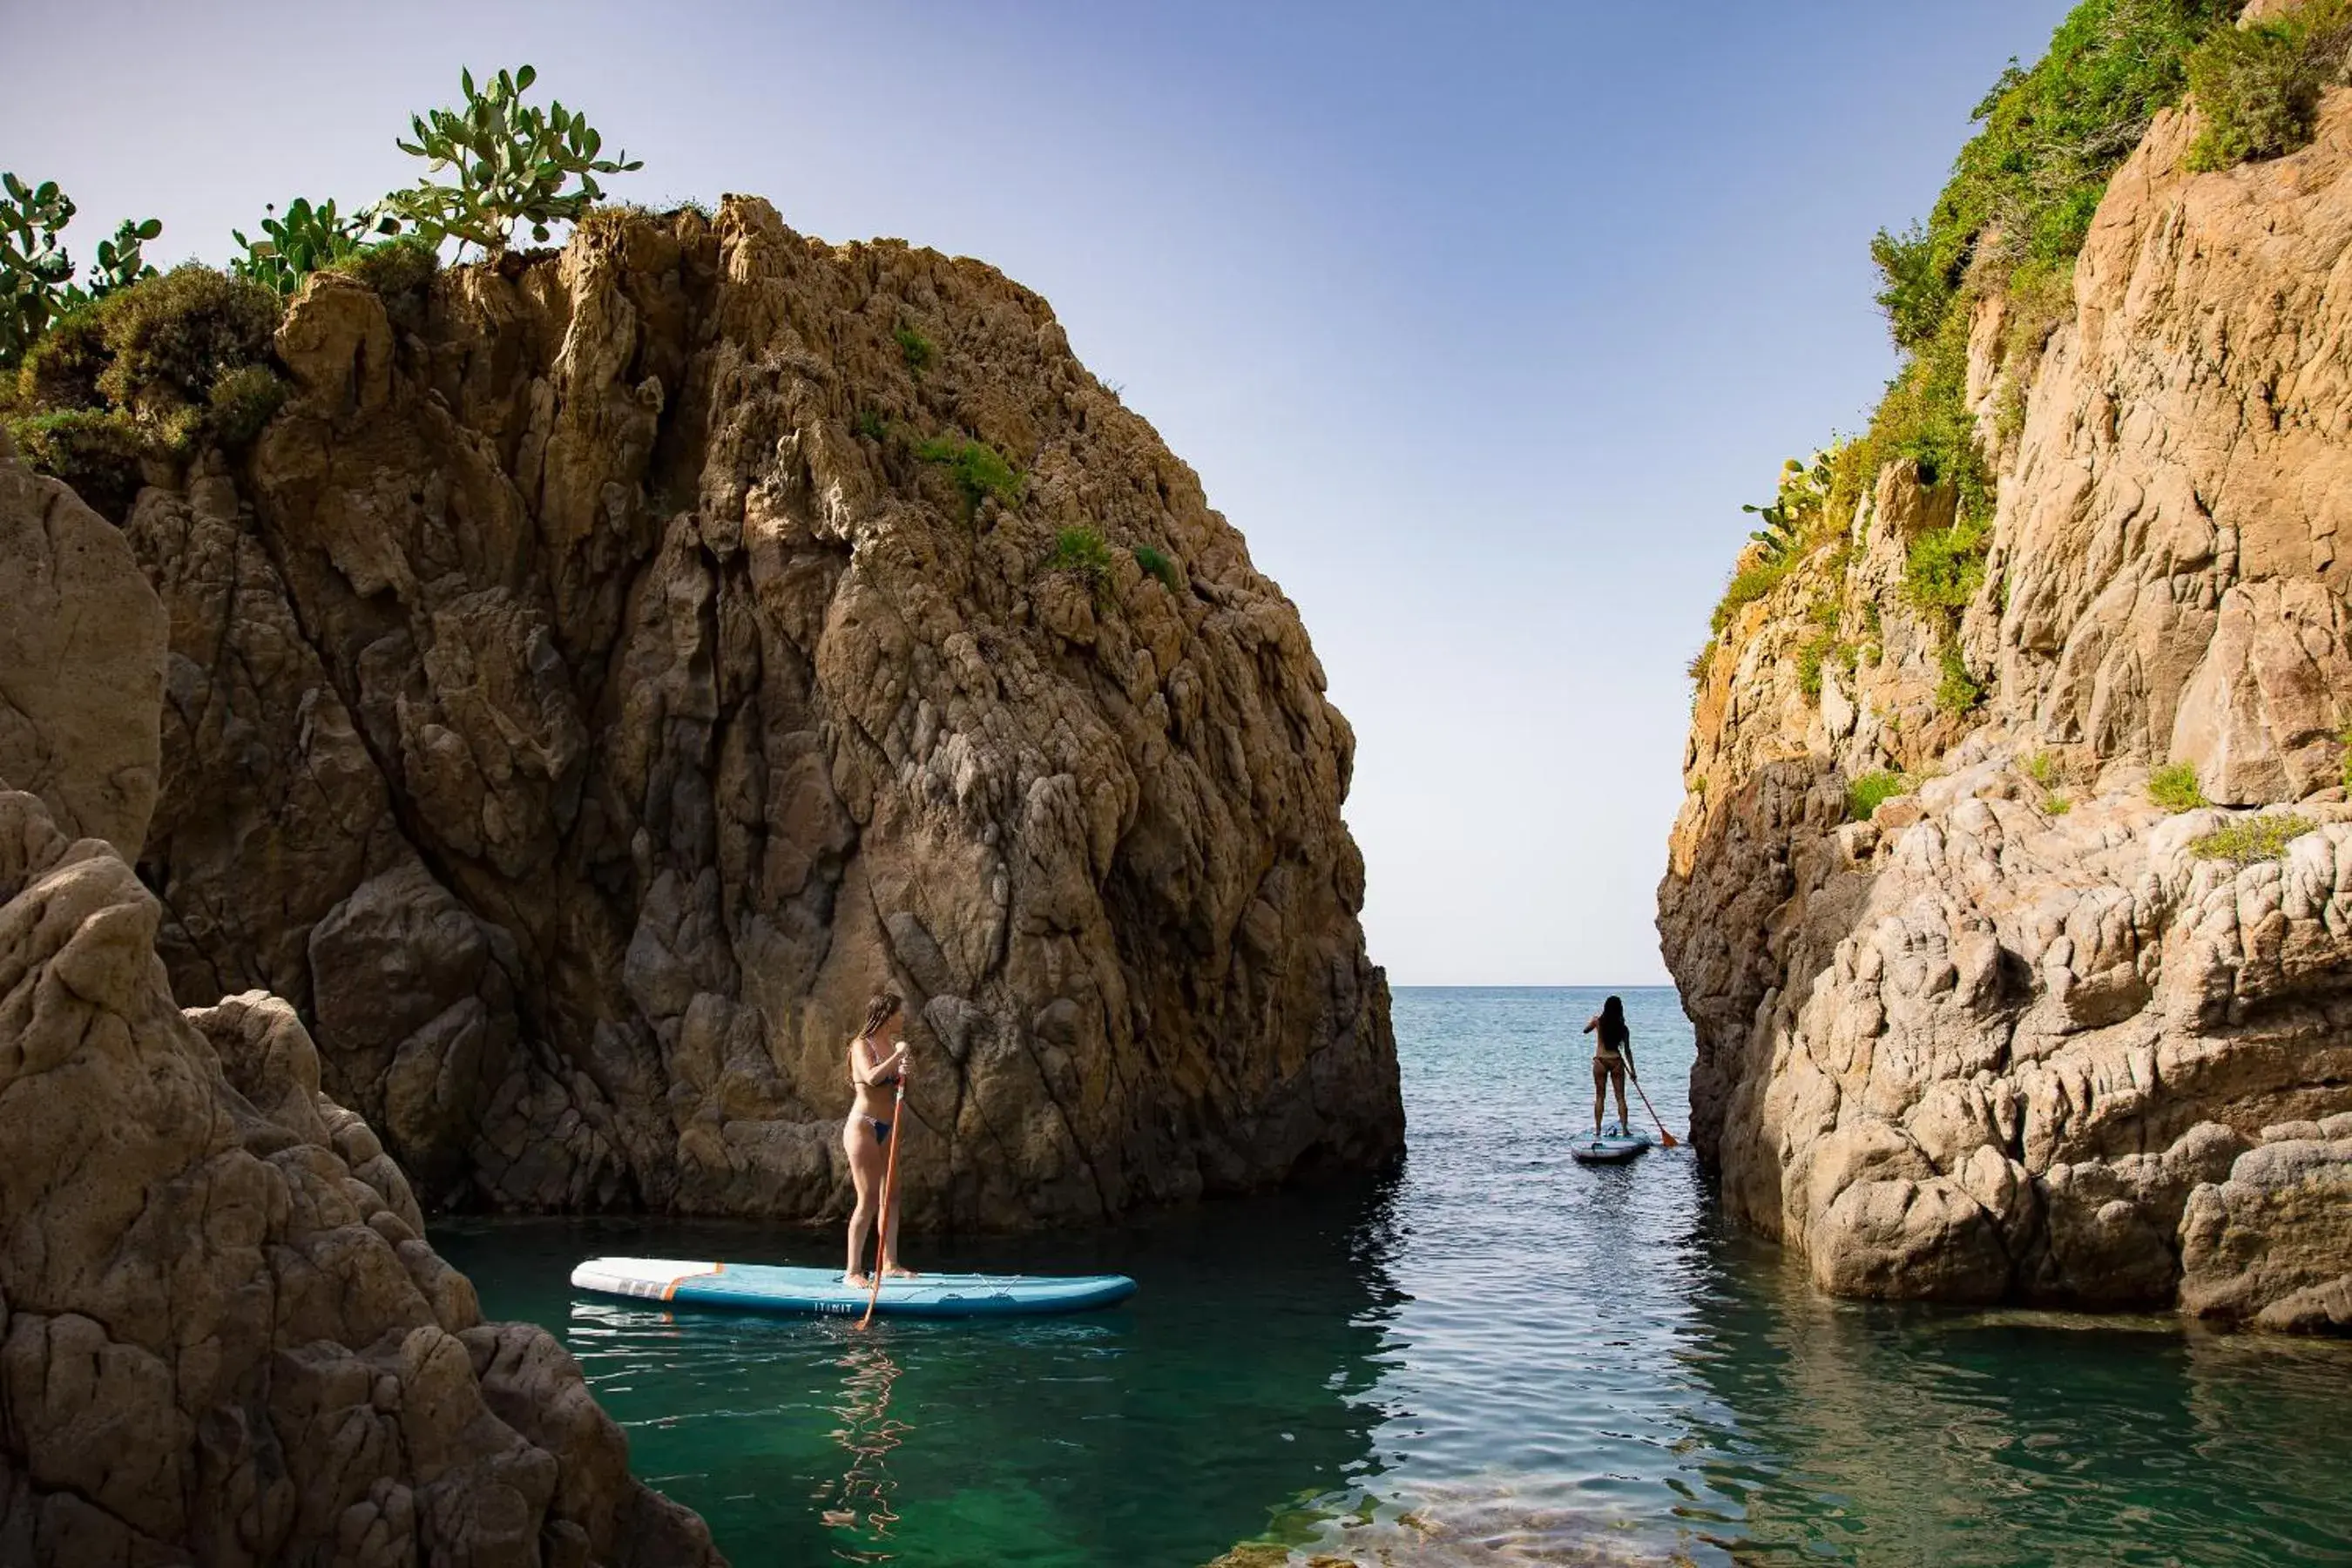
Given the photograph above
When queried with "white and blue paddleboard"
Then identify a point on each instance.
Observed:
(764, 1287)
(1612, 1145)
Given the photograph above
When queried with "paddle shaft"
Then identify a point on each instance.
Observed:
(1653, 1109)
(890, 1194)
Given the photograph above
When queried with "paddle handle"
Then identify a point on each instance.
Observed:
(890, 1194)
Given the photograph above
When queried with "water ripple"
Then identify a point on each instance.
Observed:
(1494, 1356)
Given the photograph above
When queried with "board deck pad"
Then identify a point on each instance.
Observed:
(1610, 1146)
(772, 1287)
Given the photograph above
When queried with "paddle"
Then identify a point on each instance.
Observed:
(1669, 1138)
(890, 1194)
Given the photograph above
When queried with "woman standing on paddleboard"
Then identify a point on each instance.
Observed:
(1611, 1060)
(877, 1065)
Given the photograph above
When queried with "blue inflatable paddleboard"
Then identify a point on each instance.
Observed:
(1612, 1145)
(764, 1287)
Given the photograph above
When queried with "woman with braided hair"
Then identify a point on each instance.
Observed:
(877, 1066)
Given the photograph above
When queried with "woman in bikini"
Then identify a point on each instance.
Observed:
(878, 1065)
(1611, 1060)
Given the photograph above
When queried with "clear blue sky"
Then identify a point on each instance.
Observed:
(1480, 321)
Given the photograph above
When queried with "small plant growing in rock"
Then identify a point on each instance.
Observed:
(1872, 790)
(2057, 803)
(1809, 660)
(869, 423)
(1702, 665)
(1081, 553)
(307, 238)
(1158, 565)
(1957, 691)
(2041, 767)
(395, 268)
(2344, 739)
(2174, 787)
(2253, 838)
(979, 469)
(915, 348)
(514, 162)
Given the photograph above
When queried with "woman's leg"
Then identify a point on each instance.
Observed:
(1600, 1092)
(1617, 1076)
(857, 1142)
(890, 1265)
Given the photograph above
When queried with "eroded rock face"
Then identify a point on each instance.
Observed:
(2012, 1037)
(81, 661)
(603, 677)
(223, 1337)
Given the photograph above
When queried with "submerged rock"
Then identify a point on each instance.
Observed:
(608, 672)
(2018, 1035)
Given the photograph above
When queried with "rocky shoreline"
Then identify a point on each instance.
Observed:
(2043, 995)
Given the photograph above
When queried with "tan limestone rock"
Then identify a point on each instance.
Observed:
(2015, 1037)
(81, 661)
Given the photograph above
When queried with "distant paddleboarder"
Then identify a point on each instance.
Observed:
(1613, 1059)
(877, 1065)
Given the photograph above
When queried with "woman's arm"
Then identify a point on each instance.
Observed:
(1592, 1023)
(860, 1052)
(1625, 1049)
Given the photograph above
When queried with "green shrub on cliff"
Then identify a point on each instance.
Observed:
(395, 268)
(2175, 788)
(913, 347)
(2024, 189)
(1872, 790)
(1156, 564)
(2253, 838)
(1944, 569)
(1748, 584)
(1958, 690)
(978, 469)
(513, 162)
(2258, 88)
(170, 339)
(1081, 553)
(97, 452)
(153, 371)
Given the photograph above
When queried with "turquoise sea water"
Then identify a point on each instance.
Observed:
(1491, 1355)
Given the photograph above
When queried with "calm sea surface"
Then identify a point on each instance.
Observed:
(1494, 1355)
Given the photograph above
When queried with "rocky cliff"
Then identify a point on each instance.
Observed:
(223, 1337)
(612, 668)
(2029, 1028)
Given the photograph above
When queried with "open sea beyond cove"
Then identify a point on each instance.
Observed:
(1492, 1355)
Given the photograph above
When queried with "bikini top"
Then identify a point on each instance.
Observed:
(890, 1082)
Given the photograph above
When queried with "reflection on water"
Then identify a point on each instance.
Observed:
(1492, 1356)
(1240, 1381)
(860, 1504)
